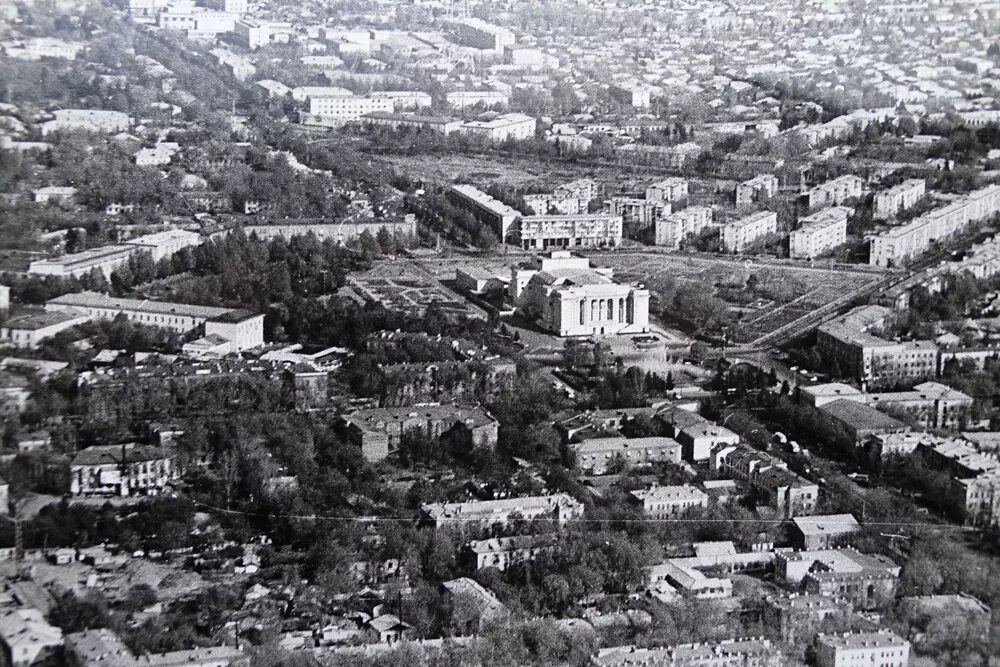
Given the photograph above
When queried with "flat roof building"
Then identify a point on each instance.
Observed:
(817, 233)
(76, 265)
(740, 234)
(883, 648)
(890, 203)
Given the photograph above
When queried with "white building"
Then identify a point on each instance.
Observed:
(674, 228)
(569, 298)
(638, 210)
(508, 126)
(75, 265)
(668, 190)
(404, 99)
(819, 232)
(594, 455)
(668, 502)
(121, 470)
(895, 200)
(559, 508)
(27, 331)
(28, 639)
(901, 243)
(835, 192)
(463, 99)
(348, 107)
(90, 120)
(254, 34)
(740, 234)
(762, 186)
(585, 230)
(479, 34)
(882, 648)
(156, 156)
(499, 216)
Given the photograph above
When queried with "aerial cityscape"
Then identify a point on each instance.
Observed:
(608, 333)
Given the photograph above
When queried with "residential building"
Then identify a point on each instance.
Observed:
(156, 156)
(500, 217)
(442, 124)
(28, 640)
(598, 423)
(511, 126)
(825, 531)
(379, 431)
(28, 331)
(890, 203)
(786, 492)
(836, 192)
(866, 581)
(931, 404)
(797, 618)
(594, 455)
(849, 345)
(895, 246)
(253, 33)
(502, 552)
(668, 502)
(480, 34)
(852, 424)
(698, 436)
(685, 575)
(346, 108)
(88, 120)
(726, 653)
(580, 230)
(675, 227)
(559, 508)
(404, 99)
(474, 606)
(165, 244)
(569, 298)
(638, 210)
(762, 186)
(241, 329)
(673, 190)
(883, 648)
(463, 99)
(76, 265)
(102, 648)
(121, 470)
(740, 234)
(582, 189)
(817, 233)
(341, 232)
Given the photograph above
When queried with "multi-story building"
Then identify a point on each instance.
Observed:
(121, 470)
(243, 330)
(346, 108)
(404, 99)
(582, 188)
(762, 186)
(674, 228)
(819, 232)
(502, 552)
(796, 618)
(673, 190)
(559, 508)
(836, 192)
(572, 299)
(847, 345)
(825, 531)
(740, 234)
(27, 331)
(895, 200)
(76, 265)
(895, 246)
(90, 120)
(582, 230)
(638, 210)
(500, 217)
(379, 432)
(511, 126)
(569, 199)
(165, 244)
(253, 33)
(341, 232)
(667, 502)
(867, 581)
(726, 653)
(480, 34)
(97, 648)
(698, 436)
(595, 455)
(883, 648)
(789, 494)
(28, 640)
(463, 99)
(931, 404)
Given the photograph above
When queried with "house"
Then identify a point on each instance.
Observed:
(121, 470)
(380, 431)
(28, 640)
(502, 552)
(883, 648)
(825, 531)
(388, 629)
(473, 605)
(797, 617)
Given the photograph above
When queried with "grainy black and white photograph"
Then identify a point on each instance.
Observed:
(499, 333)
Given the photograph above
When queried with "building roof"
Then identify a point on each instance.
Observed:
(94, 255)
(861, 417)
(118, 454)
(477, 509)
(826, 524)
(380, 419)
(41, 320)
(27, 627)
(682, 492)
(485, 599)
(622, 444)
(875, 640)
(97, 300)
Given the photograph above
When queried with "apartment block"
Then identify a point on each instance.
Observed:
(379, 432)
(480, 34)
(502, 218)
(835, 192)
(740, 234)
(28, 331)
(726, 653)
(895, 200)
(121, 470)
(786, 492)
(463, 99)
(819, 232)
(762, 186)
(586, 230)
(667, 502)
(559, 508)
(502, 552)
(698, 436)
(76, 265)
(165, 244)
(866, 581)
(882, 648)
(511, 126)
(675, 227)
(595, 455)
(348, 107)
(638, 210)
(668, 190)
(895, 246)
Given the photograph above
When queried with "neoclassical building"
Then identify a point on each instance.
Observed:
(570, 298)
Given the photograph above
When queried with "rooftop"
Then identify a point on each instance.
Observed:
(827, 524)
(41, 320)
(861, 417)
(97, 300)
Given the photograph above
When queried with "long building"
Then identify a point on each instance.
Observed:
(674, 228)
(899, 244)
(835, 192)
(740, 234)
(726, 653)
(500, 217)
(671, 189)
(819, 232)
(895, 200)
(342, 232)
(560, 508)
(584, 230)
(166, 243)
(511, 126)
(78, 264)
(595, 455)
(242, 329)
(883, 648)
(480, 34)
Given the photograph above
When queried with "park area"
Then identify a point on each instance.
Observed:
(407, 288)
